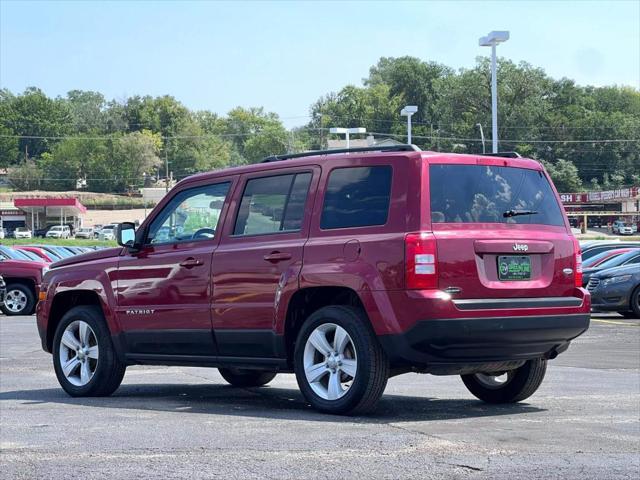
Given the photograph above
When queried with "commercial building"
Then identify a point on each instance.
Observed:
(35, 213)
(600, 209)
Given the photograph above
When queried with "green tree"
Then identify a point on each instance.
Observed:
(26, 176)
(411, 79)
(564, 175)
(134, 154)
(87, 111)
(255, 133)
(33, 115)
(371, 107)
(9, 152)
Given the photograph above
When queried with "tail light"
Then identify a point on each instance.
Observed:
(578, 261)
(421, 268)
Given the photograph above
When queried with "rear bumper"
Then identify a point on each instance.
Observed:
(443, 345)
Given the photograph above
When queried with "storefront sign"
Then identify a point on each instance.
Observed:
(607, 195)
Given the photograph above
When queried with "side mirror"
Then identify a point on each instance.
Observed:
(126, 234)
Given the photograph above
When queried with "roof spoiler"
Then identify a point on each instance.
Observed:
(382, 148)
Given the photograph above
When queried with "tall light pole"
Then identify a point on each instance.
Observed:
(492, 40)
(347, 131)
(408, 111)
(479, 125)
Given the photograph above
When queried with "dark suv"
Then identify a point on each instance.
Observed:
(343, 267)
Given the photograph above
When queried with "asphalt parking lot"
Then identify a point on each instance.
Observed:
(584, 422)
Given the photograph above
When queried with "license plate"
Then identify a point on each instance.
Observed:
(513, 267)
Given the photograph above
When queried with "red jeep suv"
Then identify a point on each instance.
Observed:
(344, 267)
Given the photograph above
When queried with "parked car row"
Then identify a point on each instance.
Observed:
(99, 232)
(611, 273)
(22, 268)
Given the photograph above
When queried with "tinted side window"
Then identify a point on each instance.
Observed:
(634, 260)
(484, 194)
(191, 215)
(273, 204)
(357, 197)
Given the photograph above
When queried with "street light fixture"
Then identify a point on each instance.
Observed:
(408, 111)
(347, 131)
(491, 40)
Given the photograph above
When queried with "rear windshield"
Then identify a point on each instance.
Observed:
(487, 194)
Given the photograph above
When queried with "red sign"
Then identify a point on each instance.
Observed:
(11, 213)
(608, 195)
(573, 197)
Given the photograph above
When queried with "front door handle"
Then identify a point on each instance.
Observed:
(191, 262)
(275, 257)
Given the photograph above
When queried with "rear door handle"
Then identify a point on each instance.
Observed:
(275, 257)
(190, 262)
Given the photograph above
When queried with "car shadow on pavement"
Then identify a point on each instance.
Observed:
(267, 402)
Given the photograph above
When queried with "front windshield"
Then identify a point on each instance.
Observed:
(53, 255)
(13, 254)
(62, 252)
(30, 255)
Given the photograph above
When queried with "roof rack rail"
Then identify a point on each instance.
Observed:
(382, 148)
(501, 154)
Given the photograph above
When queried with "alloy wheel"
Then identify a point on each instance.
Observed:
(494, 382)
(15, 301)
(330, 361)
(78, 353)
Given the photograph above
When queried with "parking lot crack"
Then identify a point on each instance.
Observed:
(475, 469)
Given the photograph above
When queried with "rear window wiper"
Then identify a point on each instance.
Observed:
(516, 213)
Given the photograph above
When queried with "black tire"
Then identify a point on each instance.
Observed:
(372, 369)
(109, 370)
(239, 377)
(635, 302)
(522, 383)
(24, 290)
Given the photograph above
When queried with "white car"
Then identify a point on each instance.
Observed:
(84, 232)
(622, 228)
(59, 231)
(108, 232)
(22, 232)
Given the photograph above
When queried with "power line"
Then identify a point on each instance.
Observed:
(601, 140)
(231, 135)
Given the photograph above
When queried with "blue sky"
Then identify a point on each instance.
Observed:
(285, 55)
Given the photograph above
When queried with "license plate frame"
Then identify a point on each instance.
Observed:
(514, 268)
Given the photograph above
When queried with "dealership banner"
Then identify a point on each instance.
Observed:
(607, 195)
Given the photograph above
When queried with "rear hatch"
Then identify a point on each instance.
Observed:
(500, 232)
